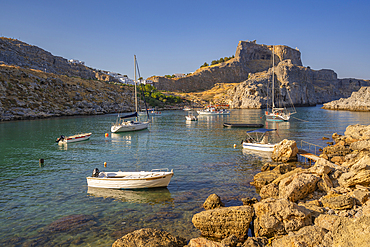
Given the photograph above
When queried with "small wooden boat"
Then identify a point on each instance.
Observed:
(241, 125)
(130, 180)
(75, 138)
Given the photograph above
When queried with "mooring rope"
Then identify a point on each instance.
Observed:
(300, 119)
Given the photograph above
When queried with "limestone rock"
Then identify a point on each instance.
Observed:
(351, 232)
(297, 186)
(267, 176)
(256, 242)
(203, 242)
(306, 236)
(337, 201)
(269, 191)
(327, 221)
(213, 201)
(279, 216)
(359, 101)
(222, 222)
(315, 209)
(357, 131)
(360, 196)
(149, 237)
(353, 178)
(285, 151)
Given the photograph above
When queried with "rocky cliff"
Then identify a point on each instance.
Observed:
(252, 69)
(359, 101)
(15, 52)
(294, 84)
(249, 58)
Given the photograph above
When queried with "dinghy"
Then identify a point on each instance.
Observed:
(155, 178)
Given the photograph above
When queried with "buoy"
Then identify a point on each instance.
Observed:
(105, 164)
(106, 134)
(234, 145)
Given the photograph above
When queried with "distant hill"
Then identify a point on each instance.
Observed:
(15, 52)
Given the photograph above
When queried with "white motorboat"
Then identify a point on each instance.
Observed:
(130, 180)
(277, 114)
(122, 125)
(191, 117)
(187, 108)
(211, 111)
(258, 140)
(75, 138)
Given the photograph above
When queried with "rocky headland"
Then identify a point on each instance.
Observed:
(326, 204)
(29, 94)
(359, 101)
(251, 70)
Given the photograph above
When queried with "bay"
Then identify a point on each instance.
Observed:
(51, 204)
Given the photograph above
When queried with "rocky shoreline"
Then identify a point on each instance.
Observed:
(326, 204)
(359, 101)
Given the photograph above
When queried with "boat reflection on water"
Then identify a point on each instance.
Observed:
(260, 155)
(149, 196)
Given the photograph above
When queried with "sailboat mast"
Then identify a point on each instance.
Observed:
(273, 74)
(135, 86)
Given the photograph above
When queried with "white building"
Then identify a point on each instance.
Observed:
(74, 61)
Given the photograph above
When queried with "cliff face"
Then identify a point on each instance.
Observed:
(297, 84)
(15, 52)
(249, 58)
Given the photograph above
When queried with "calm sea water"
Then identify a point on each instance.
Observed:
(34, 197)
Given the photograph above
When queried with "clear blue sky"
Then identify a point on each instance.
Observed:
(173, 36)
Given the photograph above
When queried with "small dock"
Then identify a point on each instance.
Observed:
(312, 155)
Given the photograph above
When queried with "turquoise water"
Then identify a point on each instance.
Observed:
(35, 199)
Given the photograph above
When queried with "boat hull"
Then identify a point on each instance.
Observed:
(209, 113)
(259, 146)
(235, 125)
(277, 117)
(130, 180)
(75, 138)
(129, 126)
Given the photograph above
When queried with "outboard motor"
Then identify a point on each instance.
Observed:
(95, 172)
(60, 138)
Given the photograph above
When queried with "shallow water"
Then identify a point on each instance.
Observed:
(201, 153)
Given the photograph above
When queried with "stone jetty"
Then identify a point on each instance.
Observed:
(326, 204)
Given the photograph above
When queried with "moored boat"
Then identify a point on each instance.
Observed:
(242, 125)
(75, 138)
(210, 111)
(121, 125)
(258, 140)
(130, 180)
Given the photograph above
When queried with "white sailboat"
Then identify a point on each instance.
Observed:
(122, 125)
(277, 114)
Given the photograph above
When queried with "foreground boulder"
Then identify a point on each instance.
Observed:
(278, 217)
(285, 151)
(306, 236)
(223, 222)
(212, 202)
(149, 237)
(298, 186)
